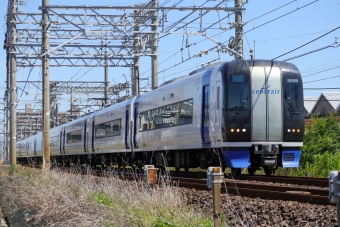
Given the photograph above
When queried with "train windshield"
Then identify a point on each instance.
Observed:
(292, 91)
(238, 92)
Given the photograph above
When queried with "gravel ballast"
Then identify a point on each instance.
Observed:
(244, 211)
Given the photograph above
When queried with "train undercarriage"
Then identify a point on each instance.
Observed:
(267, 157)
(160, 159)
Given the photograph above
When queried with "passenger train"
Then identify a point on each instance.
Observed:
(237, 114)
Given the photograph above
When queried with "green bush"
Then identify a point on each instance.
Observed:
(322, 136)
(322, 164)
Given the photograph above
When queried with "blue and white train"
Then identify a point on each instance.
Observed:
(238, 114)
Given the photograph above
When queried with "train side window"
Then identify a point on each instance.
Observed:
(186, 112)
(179, 113)
(74, 137)
(108, 129)
(54, 141)
(143, 121)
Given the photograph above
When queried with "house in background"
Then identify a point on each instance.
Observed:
(309, 103)
(327, 102)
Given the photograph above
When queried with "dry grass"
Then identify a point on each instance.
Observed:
(63, 199)
(4, 171)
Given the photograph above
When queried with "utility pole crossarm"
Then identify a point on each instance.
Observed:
(155, 8)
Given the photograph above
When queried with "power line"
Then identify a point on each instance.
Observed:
(321, 79)
(307, 43)
(322, 88)
(290, 37)
(271, 11)
(279, 17)
(309, 69)
(322, 71)
(225, 30)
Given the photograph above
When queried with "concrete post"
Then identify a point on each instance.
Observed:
(214, 180)
(46, 86)
(154, 58)
(135, 68)
(106, 89)
(238, 31)
(13, 87)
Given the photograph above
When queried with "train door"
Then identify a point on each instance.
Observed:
(64, 141)
(135, 128)
(205, 114)
(85, 135)
(35, 147)
(266, 104)
(88, 124)
(93, 135)
(61, 142)
(217, 119)
(127, 129)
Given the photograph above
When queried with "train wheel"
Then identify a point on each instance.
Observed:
(251, 171)
(268, 171)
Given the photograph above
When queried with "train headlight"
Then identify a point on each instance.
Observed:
(244, 130)
(232, 130)
(293, 130)
(298, 130)
(288, 130)
(238, 130)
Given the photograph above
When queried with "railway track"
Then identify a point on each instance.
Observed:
(305, 181)
(287, 193)
(310, 181)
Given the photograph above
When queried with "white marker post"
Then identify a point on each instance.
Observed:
(214, 180)
(334, 191)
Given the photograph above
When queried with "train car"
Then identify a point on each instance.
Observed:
(238, 114)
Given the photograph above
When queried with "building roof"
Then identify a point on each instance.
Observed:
(333, 98)
(309, 103)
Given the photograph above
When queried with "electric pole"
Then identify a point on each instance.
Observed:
(135, 67)
(154, 57)
(106, 90)
(238, 30)
(13, 88)
(72, 101)
(46, 85)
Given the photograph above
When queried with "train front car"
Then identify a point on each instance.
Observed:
(263, 120)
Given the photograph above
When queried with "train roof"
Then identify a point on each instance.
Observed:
(238, 64)
(245, 64)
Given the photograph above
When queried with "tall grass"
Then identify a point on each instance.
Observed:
(64, 199)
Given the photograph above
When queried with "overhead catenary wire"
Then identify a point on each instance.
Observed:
(322, 88)
(322, 71)
(226, 30)
(279, 16)
(307, 43)
(321, 79)
(196, 66)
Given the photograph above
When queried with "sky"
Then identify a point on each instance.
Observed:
(272, 29)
